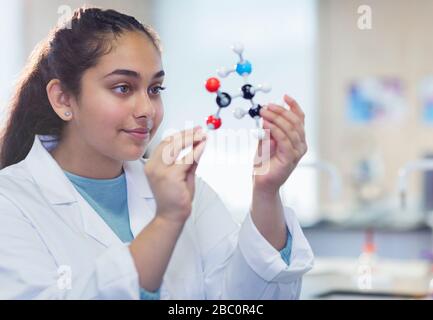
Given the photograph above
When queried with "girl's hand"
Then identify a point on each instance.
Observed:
(285, 140)
(173, 182)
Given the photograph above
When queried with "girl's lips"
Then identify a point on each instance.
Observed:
(138, 130)
(140, 135)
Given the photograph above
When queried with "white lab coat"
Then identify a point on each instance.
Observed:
(49, 234)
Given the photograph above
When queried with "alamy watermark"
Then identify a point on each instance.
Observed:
(64, 280)
(365, 20)
(229, 147)
(65, 15)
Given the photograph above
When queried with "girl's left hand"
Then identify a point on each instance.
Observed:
(285, 142)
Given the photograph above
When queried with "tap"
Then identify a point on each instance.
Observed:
(403, 173)
(332, 171)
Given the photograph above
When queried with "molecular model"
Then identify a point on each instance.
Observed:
(243, 68)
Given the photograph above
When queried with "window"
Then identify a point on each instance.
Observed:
(280, 41)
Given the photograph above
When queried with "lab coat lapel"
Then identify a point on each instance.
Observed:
(64, 199)
(139, 196)
(95, 226)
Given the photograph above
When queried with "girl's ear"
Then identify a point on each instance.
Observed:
(59, 99)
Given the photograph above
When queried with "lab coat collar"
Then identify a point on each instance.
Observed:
(48, 175)
(51, 179)
(134, 171)
(60, 192)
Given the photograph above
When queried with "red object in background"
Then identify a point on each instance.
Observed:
(212, 85)
(213, 122)
(369, 245)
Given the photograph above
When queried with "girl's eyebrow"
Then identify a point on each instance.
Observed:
(124, 72)
(134, 74)
(159, 74)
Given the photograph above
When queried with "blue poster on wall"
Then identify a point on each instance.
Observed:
(376, 100)
(426, 96)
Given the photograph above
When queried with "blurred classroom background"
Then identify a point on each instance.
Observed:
(363, 73)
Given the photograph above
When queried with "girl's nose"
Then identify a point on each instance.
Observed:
(145, 122)
(144, 107)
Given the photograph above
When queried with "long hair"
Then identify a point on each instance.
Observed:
(65, 55)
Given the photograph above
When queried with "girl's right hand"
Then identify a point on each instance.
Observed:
(173, 182)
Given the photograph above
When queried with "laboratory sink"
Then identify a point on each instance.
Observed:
(339, 278)
(390, 240)
(377, 219)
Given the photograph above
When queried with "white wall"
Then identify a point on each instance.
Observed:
(41, 16)
(11, 53)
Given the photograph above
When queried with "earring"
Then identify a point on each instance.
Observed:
(68, 114)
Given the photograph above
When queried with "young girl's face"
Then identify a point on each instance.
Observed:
(120, 94)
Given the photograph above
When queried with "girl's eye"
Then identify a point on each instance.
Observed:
(156, 90)
(123, 89)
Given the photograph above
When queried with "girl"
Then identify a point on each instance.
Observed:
(83, 216)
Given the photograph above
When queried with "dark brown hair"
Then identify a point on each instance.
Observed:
(66, 54)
